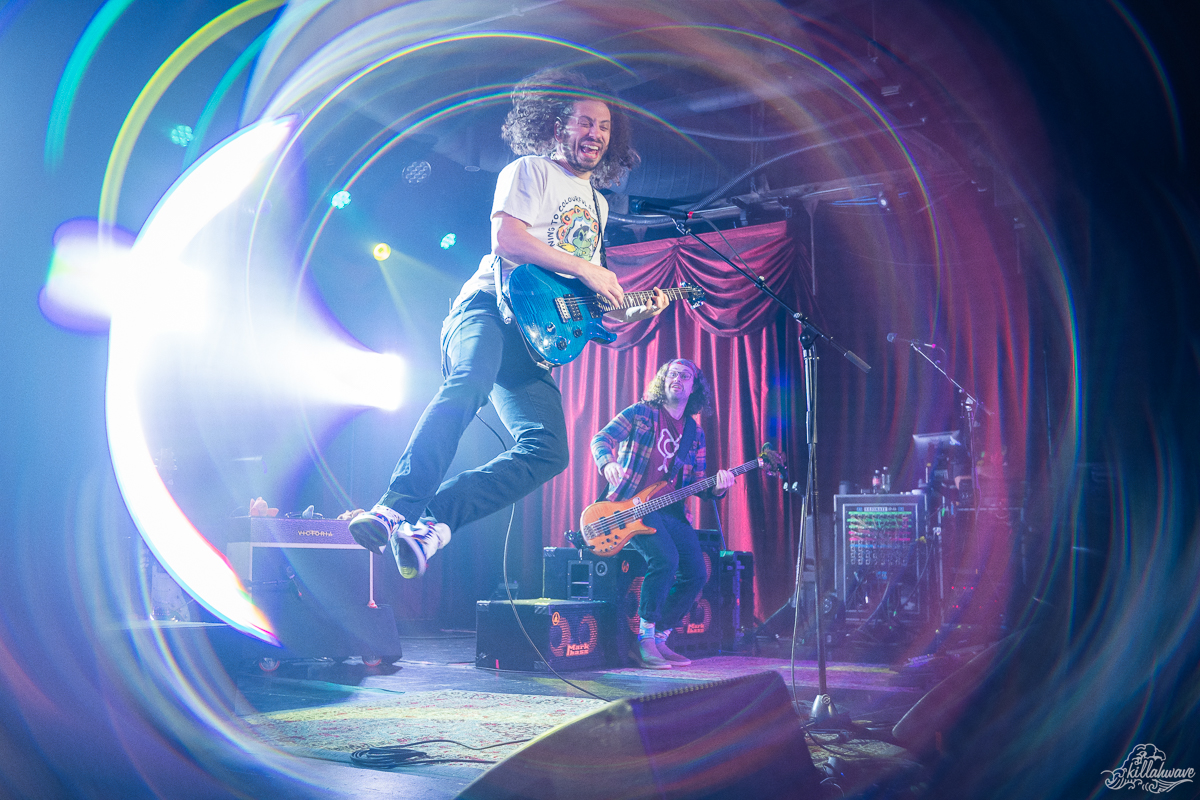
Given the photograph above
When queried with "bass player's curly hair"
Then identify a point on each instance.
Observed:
(546, 99)
(700, 399)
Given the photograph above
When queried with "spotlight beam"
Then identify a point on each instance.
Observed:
(138, 321)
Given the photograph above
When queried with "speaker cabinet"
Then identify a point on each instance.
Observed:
(697, 634)
(572, 574)
(569, 634)
(569, 573)
(728, 740)
(736, 585)
(316, 586)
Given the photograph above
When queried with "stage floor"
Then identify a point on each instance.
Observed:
(318, 711)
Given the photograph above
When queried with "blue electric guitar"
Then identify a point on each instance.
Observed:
(558, 316)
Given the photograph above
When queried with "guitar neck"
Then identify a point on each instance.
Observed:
(635, 299)
(664, 500)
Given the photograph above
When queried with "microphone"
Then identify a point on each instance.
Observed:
(894, 338)
(662, 211)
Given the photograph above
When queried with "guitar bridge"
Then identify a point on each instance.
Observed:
(568, 311)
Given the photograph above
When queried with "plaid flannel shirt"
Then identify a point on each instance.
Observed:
(629, 440)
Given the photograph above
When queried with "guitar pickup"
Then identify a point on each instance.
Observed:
(568, 312)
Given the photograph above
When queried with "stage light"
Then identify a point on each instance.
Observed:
(417, 171)
(88, 272)
(381, 251)
(448, 241)
(340, 199)
(334, 373)
(182, 135)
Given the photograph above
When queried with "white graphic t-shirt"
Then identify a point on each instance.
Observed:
(557, 205)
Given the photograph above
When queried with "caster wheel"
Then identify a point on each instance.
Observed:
(268, 664)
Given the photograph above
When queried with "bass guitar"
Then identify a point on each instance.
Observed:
(607, 526)
(558, 316)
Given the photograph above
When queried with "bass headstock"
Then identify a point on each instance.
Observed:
(772, 461)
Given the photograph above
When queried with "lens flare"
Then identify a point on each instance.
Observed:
(88, 272)
(137, 321)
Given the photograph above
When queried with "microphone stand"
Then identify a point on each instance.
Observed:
(823, 709)
(970, 405)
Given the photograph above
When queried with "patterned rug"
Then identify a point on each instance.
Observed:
(499, 722)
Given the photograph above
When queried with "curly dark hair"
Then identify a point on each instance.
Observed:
(700, 400)
(547, 98)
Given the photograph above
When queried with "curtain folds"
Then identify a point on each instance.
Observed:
(746, 346)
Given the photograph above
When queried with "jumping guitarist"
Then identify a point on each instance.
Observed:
(572, 137)
(652, 441)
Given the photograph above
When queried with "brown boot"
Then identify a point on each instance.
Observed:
(669, 655)
(646, 655)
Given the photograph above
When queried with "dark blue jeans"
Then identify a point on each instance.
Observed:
(481, 358)
(675, 572)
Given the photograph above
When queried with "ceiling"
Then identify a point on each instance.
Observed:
(739, 108)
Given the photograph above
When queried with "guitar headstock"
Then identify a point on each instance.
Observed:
(695, 295)
(772, 461)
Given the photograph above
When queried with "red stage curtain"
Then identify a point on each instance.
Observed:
(748, 349)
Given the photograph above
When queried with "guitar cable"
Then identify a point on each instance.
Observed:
(508, 587)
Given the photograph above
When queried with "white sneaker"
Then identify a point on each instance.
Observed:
(414, 545)
(373, 528)
(669, 655)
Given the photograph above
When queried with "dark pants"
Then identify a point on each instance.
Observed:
(481, 358)
(675, 571)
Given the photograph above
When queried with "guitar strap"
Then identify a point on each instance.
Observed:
(506, 312)
(685, 444)
(600, 222)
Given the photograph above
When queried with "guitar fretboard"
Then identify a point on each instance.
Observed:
(597, 305)
(663, 500)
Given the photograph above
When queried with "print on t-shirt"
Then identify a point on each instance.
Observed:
(575, 229)
(667, 446)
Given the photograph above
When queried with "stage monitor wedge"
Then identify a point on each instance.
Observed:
(729, 740)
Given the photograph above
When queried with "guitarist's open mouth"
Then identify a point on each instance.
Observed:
(590, 152)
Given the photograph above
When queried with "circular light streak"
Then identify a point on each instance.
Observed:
(156, 295)
(160, 81)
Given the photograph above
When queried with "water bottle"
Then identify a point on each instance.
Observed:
(887, 481)
(876, 483)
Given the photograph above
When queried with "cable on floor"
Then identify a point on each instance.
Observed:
(404, 755)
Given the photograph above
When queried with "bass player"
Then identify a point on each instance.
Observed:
(657, 440)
